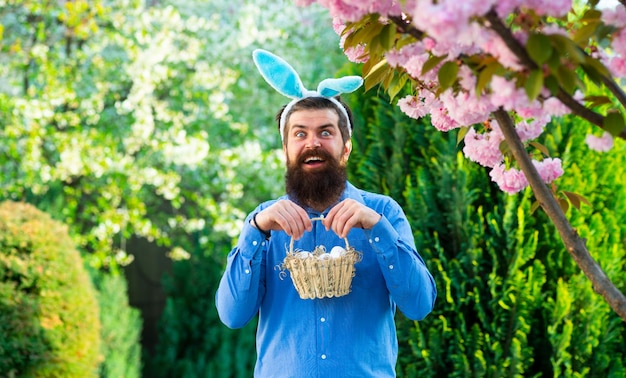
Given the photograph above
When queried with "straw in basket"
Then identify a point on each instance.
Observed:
(321, 274)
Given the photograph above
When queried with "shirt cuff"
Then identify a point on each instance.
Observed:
(250, 242)
(383, 237)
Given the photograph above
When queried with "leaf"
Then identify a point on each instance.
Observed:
(567, 48)
(541, 147)
(576, 199)
(614, 123)
(534, 84)
(582, 35)
(397, 84)
(564, 204)
(596, 65)
(461, 134)
(485, 75)
(534, 207)
(539, 48)
(597, 100)
(376, 75)
(552, 83)
(447, 75)
(388, 36)
(566, 78)
(432, 62)
(591, 15)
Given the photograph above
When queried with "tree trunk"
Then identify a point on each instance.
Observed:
(574, 244)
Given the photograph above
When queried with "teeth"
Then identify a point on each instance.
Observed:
(315, 158)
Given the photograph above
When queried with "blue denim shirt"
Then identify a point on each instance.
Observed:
(349, 336)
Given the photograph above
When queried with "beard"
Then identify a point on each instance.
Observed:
(317, 189)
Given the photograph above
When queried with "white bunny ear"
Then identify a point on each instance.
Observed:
(279, 74)
(334, 87)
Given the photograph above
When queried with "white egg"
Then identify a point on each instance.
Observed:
(337, 252)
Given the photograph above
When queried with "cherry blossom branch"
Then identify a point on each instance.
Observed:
(574, 244)
(406, 27)
(520, 52)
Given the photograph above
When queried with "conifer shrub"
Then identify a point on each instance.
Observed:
(121, 325)
(49, 325)
(512, 302)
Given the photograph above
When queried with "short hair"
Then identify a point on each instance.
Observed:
(318, 103)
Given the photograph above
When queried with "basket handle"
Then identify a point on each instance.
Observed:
(315, 219)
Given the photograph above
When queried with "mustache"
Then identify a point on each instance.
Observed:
(316, 152)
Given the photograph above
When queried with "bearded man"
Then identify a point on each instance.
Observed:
(352, 335)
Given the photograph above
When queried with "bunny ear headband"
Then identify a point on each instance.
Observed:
(285, 80)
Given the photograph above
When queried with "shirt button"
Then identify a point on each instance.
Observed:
(370, 241)
(323, 356)
(322, 320)
(247, 271)
(390, 266)
(377, 239)
(255, 242)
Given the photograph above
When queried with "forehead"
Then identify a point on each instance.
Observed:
(312, 118)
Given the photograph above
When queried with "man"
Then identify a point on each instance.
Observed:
(348, 336)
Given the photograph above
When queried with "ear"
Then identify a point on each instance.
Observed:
(347, 149)
(334, 87)
(278, 73)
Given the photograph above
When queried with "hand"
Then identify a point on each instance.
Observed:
(287, 216)
(348, 214)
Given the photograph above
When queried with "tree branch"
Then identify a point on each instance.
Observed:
(573, 243)
(408, 28)
(577, 108)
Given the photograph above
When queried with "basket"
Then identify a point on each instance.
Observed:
(321, 274)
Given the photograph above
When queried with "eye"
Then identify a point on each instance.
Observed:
(326, 133)
(299, 134)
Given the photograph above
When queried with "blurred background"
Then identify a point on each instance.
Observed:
(144, 129)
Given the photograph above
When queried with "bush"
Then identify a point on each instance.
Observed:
(193, 343)
(512, 302)
(49, 323)
(121, 327)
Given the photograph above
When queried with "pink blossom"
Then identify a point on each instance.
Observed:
(619, 42)
(600, 144)
(555, 8)
(506, 95)
(496, 47)
(357, 54)
(617, 66)
(510, 181)
(412, 107)
(440, 118)
(446, 20)
(549, 169)
(465, 108)
(400, 57)
(615, 17)
(354, 10)
(553, 106)
(529, 131)
(484, 149)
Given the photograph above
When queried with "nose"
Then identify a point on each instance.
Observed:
(313, 142)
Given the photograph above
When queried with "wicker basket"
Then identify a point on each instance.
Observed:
(320, 274)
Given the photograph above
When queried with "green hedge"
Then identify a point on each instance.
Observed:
(49, 324)
(121, 327)
(193, 343)
(511, 300)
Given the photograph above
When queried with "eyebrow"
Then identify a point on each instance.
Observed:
(321, 127)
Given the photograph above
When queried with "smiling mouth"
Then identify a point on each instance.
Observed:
(313, 161)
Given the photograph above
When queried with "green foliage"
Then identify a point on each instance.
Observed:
(512, 302)
(49, 324)
(192, 340)
(121, 327)
(131, 118)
